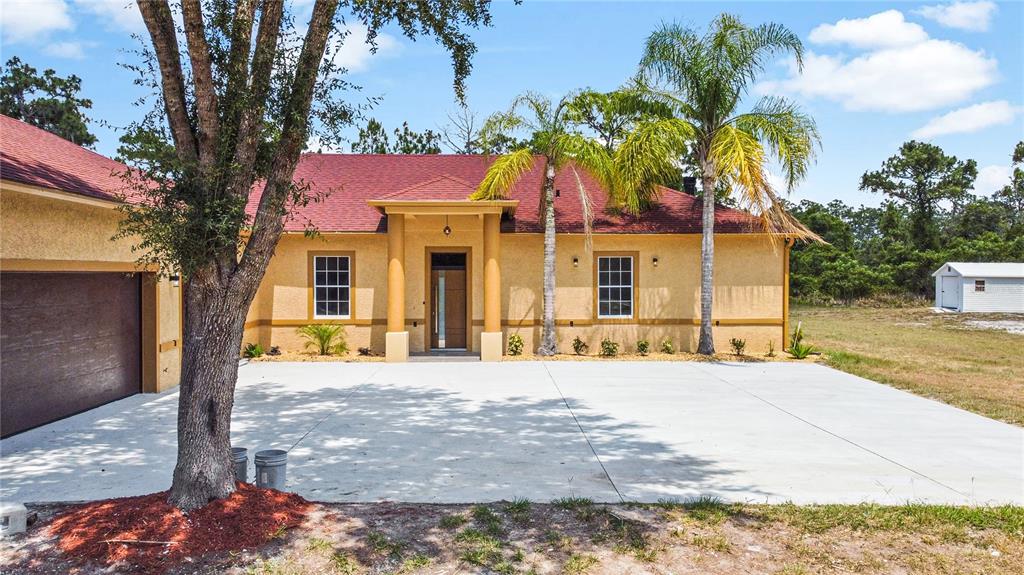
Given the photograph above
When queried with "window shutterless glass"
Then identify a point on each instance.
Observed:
(331, 287)
(615, 286)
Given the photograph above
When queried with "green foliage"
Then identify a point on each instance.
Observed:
(609, 348)
(373, 139)
(797, 347)
(737, 345)
(45, 101)
(252, 350)
(515, 344)
(771, 349)
(579, 347)
(668, 347)
(326, 339)
(643, 347)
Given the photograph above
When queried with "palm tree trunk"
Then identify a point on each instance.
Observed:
(548, 346)
(706, 344)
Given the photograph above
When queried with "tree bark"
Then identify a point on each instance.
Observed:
(706, 344)
(548, 345)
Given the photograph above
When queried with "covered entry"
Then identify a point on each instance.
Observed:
(448, 293)
(68, 342)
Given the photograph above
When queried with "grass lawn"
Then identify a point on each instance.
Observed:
(942, 356)
(576, 537)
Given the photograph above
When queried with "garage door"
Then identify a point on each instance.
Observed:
(68, 342)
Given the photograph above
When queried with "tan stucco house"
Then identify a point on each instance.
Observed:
(402, 258)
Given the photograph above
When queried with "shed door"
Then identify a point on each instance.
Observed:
(950, 292)
(68, 342)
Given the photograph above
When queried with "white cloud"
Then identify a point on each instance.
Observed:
(969, 119)
(885, 29)
(353, 53)
(991, 178)
(970, 16)
(120, 14)
(22, 20)
(907, 72)
(71, 50)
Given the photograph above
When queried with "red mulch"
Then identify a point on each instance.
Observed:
(247, 519)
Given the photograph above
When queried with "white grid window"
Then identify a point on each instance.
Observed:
(614, 286)
(331, 287)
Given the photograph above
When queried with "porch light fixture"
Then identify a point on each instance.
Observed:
(654, 261)
(175, 280)
(447, 229)
(575, 262)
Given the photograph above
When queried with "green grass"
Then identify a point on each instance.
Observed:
(453, 521)
(518, 509)
(579, 564)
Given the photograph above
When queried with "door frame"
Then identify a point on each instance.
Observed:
(428, 294)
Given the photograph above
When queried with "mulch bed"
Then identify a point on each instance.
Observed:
(146, 534)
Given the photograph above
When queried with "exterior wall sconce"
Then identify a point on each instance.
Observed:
(447, 229)
(575, 262)
(654, 261)
(175, 280)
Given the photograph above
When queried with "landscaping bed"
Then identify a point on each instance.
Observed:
(572, 536)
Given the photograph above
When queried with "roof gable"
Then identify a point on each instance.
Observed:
(984, 269)
(443, 187)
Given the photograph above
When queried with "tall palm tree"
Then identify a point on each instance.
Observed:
(704, 79)
(628, 172)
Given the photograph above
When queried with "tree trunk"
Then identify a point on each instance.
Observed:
(214, 321)
(706, 345)
(548, 346)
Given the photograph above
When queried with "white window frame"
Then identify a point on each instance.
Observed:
(347, 286)
(631, 285)
(979, 286)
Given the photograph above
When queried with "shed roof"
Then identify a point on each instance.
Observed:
(985, 269)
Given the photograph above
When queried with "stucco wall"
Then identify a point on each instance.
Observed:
(748, 287)
(47, 234)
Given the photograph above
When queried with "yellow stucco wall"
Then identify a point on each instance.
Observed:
(748, 287)
(40, 233)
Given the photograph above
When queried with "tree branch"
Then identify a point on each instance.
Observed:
(160, 24)
(202, 77)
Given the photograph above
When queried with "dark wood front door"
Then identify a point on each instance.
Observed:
(448, 303)
(68, 342)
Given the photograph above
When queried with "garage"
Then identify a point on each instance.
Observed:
(68, 342)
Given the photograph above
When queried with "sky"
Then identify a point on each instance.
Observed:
(875, 74)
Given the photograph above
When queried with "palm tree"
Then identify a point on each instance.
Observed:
(703, 79)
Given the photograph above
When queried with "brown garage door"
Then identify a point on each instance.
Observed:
(68, 342)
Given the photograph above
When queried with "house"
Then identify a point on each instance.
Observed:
(980, 287)
(81, 324)
(402, 259)
(408, 264)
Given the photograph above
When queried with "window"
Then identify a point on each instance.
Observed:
(331, 286)
(979, 285)
(614, 286)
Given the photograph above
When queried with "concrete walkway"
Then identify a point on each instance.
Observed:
(611, 431)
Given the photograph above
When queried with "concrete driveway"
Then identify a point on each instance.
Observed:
(611, 431)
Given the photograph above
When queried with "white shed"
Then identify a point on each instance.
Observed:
(980, 287)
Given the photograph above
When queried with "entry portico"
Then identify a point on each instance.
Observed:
(437, 301)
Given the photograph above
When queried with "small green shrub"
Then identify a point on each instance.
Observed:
(252, 350)
(326, 339)
(668, 347)
(771, 349)
(798, 334)
(801, 350)
(738, 345)
(643, 347)
(609, 348)
(515, 344)
(579, 346)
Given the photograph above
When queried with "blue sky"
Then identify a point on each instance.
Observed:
(876, 73)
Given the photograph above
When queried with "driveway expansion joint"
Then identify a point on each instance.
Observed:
(334, 412)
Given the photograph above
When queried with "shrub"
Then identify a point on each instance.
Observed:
(324, 338)
(515, 344)
(668, 347)
(771, 349)
(252, 350)
(609, 348)
(274, 350)
(365, 351)
(738, 345)
(643, 347)
(579, 346)
(798, 334)
(801, 350)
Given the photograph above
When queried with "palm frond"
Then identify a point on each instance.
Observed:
(648, 157)
(503, 174)
(790, 134)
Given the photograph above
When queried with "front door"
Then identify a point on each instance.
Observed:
(448, 300)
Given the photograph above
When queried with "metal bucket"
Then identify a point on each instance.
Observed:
(240, 459)
(271, 465)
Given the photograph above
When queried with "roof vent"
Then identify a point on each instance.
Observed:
(558, 193)
(690, 185)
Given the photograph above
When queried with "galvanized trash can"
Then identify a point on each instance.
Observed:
(270, 468)
(240, 459)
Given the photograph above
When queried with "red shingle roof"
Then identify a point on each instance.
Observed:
(350, 180)
(33, 156)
